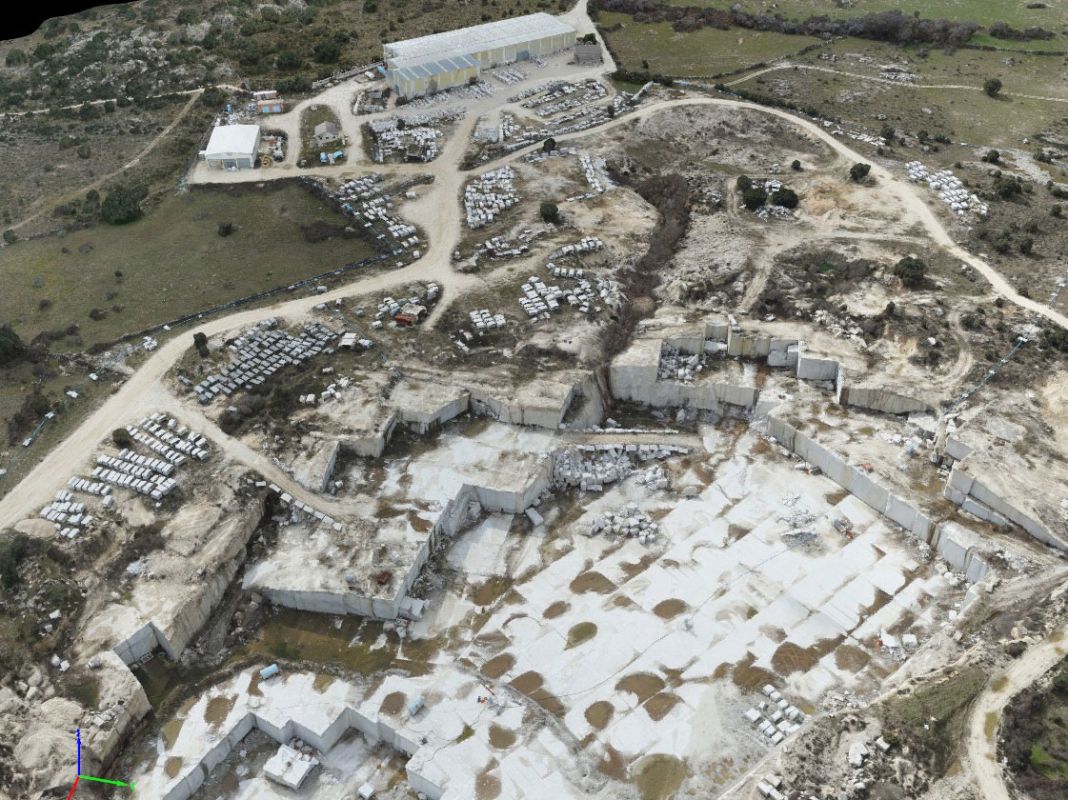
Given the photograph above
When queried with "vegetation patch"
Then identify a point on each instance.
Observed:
(1035, 738)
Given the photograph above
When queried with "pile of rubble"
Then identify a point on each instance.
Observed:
(498, 247)
(898, 75)
(414, 137)
(631, 523)
(565, 96)
(490, 194)
(260, 353)
(407, 311)
(677, 366)
(654, 478)
(950, 189)
(509, 76)
(590, 466)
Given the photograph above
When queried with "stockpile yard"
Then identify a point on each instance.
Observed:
(697, 454)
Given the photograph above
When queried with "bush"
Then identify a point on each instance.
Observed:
(122, 438)
(226, 228)
(859, 171)
(84, 151)
(912, 272)
(15, 57)
(186, 16)
(548, 145)
(288, 60)
(787, 198)
(327, 52)
(121, 206)
(10, 237)
(992, 157)
(14, 549)
(1027, 245)
(1055, 210)
(550, 212)
(754, 197)
(888, 133)
(212, 97)
(200, 342)
(744, 182)
(12, 347)
(992, 87)
(795, 165)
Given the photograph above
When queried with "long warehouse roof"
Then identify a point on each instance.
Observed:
(233, 139)
(428, 69)
(464, 41)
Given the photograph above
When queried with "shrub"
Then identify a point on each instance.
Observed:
(327, 52)
(859, 171)
(200, 342)
(912, 272)
(550, 212)
(226, 228)
(795, 165)
(97, 314)
(186, 16)
(10, 237)
(992, 157)
(84, 151)
(15, 57)
(288, 60)
(121, 206)
(11, 346)
(744, 182)
(1055, 210)
(1027, 245)
(212, 97)
(787, 198)
(122, 438)
(754, 197)
(548, 145)
(992, 87)
(887, 133)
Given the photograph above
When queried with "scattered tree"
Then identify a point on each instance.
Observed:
(992, 87)
(744, 182)
(548, 145)
(787, 198)
(327, 52)
(122, 438)
(288, 60)
(10, 237)
(795, 165)
(992, 157)
(226, 228)
(754, 197)
(200, 342)
(121, 206)
(550, 212)
(1027, 244)
(859, 171)
(1055, 210)
(15, 57)
(912, 272)
(589, 38)
(84, 151)
(11, 346)
(888, 133)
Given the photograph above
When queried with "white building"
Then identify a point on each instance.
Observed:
(440, 61)
(232, 147)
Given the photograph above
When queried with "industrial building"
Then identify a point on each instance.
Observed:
(429, 64)
(232, 147)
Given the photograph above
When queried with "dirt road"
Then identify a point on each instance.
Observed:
(903, 84)
(981, 751)
(438, 212)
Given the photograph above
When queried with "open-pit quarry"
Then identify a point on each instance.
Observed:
(617, 484)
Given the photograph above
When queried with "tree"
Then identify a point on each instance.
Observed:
(548, 145)
(15, 57)
(122, 438)
(912, 272)
(84, 151)
(550, 212)
(10, 237)
(225, 229)
(743, 183)
(887, 132)
(754, 197)
(589, 38)
(991, 156)
(212, 97)
(11, 346)
(859, 171)
(200, 342)
(1027, 245)
(795, 165)
(787, 198)
(992, 87)
(327, 52)
(121, 206)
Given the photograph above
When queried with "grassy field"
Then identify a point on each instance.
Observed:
(983, 12)
(708, 51)
(172, 262)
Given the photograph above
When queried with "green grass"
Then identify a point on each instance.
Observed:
(1051, 767)
(173, 261)
(983, 12)
(708, 51)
